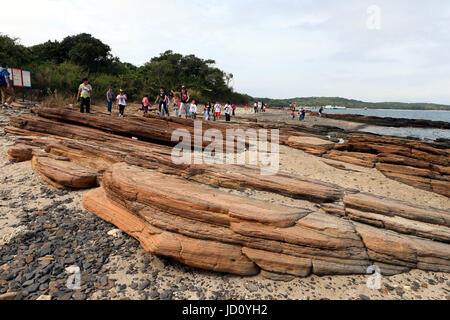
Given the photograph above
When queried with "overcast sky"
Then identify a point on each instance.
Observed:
(278, 49)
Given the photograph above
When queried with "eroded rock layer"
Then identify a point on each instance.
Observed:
(273, 238)
(175, 211)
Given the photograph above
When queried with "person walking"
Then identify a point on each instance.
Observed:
(122, 102)
(184, 101)
(227, 109)
(176, 104)
(217, 110)
(145, 104)
(321, 112)
(208, 110)
(84, 96)
(7, 91)
(168, 105)
(162, 98)
(255, 107)
(233, 107)
(193, 110)
(110, 99)
(302, 114)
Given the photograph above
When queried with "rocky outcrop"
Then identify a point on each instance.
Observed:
(20, 153)
(311, 145)
(62, 173)
(387, 121)
(96, 150)
(278, 240)
(422, 165)
(178, 211)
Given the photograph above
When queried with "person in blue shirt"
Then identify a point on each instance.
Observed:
(5, 86)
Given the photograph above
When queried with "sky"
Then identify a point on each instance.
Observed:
(378, 50)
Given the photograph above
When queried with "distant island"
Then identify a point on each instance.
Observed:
(349, 103)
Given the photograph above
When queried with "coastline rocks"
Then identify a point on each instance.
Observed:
(64, 174)
(387, 121)
(421, 165)
(20, 153)
(311, 145)
(97, 150)
(217, 231)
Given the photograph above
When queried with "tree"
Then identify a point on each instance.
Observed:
(87, 51)
(13, 53)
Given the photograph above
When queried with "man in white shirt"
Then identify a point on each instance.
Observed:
(84, 96)
(122, 102)
(228, 112)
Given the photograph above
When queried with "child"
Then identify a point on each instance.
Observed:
(293, 114)
(193, 110)
(122, 102)
(217, 110)
(145, 104)
(176, 105)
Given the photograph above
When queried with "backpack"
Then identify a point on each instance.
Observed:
(2, 78)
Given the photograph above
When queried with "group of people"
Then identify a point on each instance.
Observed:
(181, 102)
(183, 105)
(302, 113)
(6, 88)
(259, 107)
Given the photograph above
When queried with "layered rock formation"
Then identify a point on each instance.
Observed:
(176, 210)
(386, 121)
(422, 165)
(243, 236)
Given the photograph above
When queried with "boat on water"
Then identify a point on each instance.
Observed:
(329, 107)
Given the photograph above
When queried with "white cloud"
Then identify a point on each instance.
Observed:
(274, 48)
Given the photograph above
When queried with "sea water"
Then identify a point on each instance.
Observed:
(427, 134)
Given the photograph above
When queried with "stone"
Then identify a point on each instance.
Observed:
(8, 296)
(63, 174)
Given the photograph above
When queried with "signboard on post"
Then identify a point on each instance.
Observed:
(26, 79)
(17, 77)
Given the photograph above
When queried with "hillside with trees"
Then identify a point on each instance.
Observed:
(61, 65)
(349, 103)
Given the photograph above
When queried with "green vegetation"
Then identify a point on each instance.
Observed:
(60, 67)
(355, 104)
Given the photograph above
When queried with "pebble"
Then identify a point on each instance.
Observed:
(166, 295)
(78, 296)
(144, 285)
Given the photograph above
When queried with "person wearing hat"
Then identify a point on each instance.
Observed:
(122, 102)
